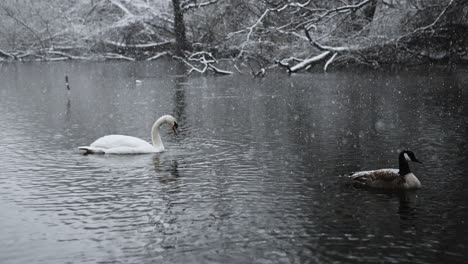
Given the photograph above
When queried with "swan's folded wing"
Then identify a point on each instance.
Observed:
(132, 150)
(117, 141)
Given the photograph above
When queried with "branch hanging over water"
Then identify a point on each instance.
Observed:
(6, 55)
(206, 60)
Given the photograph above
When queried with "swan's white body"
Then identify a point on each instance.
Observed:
(120, 144)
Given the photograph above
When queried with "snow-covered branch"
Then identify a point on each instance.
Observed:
(305, 64)
(332, 12)
(251, 28)
(219, 71)
(63, 54)
(117, 57)
(158, 55)
(249, 31)
(206, 60)
(5, 54)
(329, 61)
(309, 61)
(294, 4)
(190, 4)
(137, 46)
(326, 51)
(192, 67)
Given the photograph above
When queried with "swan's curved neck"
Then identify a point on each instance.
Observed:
(155, 137)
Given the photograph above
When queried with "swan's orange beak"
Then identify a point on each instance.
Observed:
(174, 127)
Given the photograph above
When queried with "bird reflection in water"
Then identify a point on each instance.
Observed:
(161, 171)
(407, 209)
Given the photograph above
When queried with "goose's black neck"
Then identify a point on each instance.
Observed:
(403, 165)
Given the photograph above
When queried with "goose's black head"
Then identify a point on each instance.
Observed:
(408, 156)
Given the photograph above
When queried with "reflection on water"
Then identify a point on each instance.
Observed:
(407, 209)
(253, 177)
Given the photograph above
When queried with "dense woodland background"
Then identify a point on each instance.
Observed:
(259, 33)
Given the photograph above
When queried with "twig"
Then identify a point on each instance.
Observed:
(330, 61)
(293, 5)
(158, 55)
(187, 6)
(250, 31)
(117, 56)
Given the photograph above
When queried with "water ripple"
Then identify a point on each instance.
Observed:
(252, 177)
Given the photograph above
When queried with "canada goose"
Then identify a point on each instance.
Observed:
(401, 178)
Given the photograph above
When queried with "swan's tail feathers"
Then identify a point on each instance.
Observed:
(90, 150)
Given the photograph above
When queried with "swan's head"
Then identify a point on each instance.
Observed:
(171, 121)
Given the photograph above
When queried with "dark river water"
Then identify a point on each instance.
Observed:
(255, 175)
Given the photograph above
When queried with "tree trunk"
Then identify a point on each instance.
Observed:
(390, 18)
(179, 29)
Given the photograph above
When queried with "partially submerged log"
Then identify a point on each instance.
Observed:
(219, 71)
(308, 62)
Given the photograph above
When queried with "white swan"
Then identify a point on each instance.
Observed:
(119, 144)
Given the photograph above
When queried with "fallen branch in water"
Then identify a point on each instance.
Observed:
(116, 56)
(158, 55)
(6, 55)
(307, 62)
(43, 55)
(206, 60)
(219, 71)
(63, 54)
(148, 46)
(192, 68)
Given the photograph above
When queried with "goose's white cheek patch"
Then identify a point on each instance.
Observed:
(407, 157)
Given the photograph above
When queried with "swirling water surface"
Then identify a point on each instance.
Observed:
(255, 175)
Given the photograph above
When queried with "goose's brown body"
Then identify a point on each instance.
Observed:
(401, 178)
